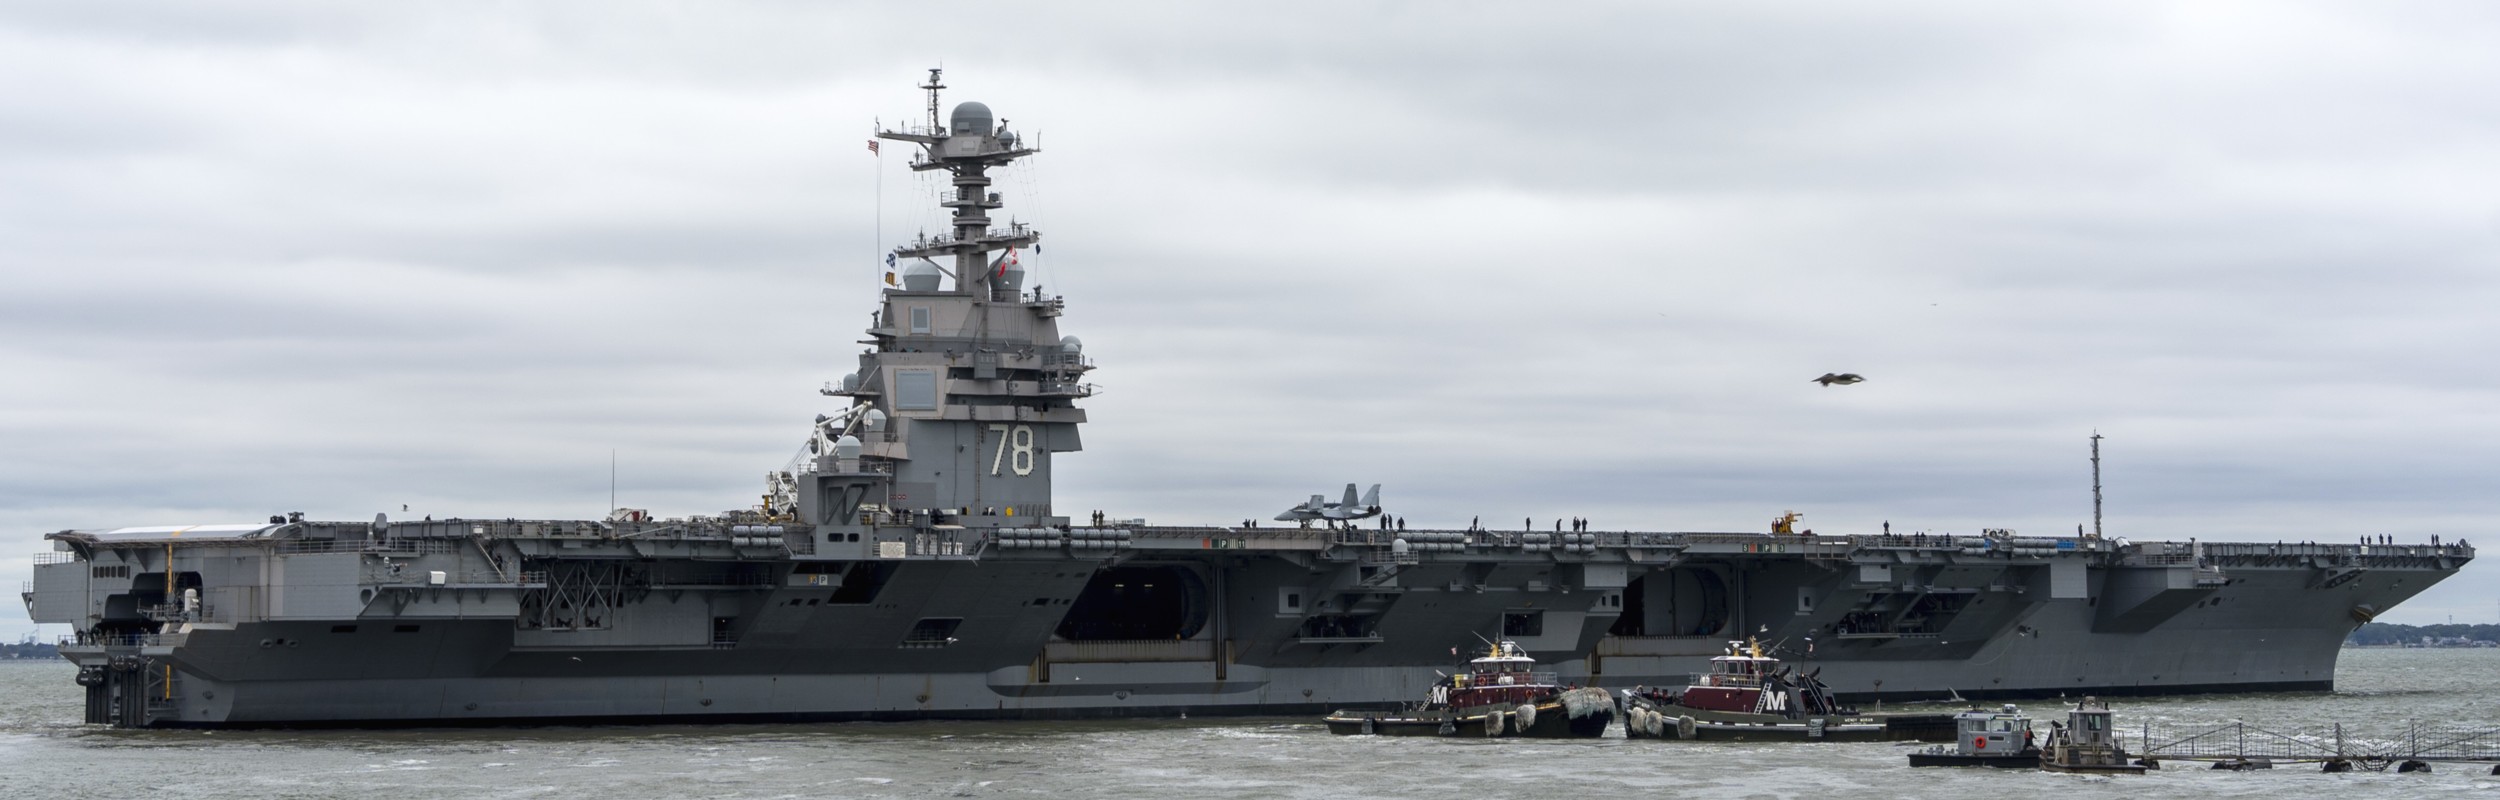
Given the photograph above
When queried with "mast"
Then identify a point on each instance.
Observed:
(967, 147)
(2096, 484)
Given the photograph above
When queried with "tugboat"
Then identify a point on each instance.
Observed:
(1498, 694)
(2000, 738)
(2087, 743)
(1748, 696)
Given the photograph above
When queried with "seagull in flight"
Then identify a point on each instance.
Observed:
(1843, 378)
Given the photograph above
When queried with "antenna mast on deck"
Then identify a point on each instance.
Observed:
(2096, 484)
(970, 143)
(933, 86)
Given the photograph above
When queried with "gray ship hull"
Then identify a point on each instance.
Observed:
(2230, 618)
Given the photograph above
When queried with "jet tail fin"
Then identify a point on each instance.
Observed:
(1371, 498)
(1349, 496)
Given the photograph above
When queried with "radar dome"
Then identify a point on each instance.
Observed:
(872, 421)
(969, 118)
(921, 277)
(846, 447)
(850, 383)
(1071, 344)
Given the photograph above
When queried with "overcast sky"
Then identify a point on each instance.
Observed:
(338, 258)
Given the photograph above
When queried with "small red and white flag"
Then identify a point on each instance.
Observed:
(872, 145)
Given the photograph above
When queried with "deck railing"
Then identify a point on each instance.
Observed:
(393, 546)
(124, 640)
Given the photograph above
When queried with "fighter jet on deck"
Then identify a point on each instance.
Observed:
(1319, 509)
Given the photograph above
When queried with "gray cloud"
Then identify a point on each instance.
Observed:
(1509, 262)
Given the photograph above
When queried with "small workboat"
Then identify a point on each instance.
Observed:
(2087, 743)
(1500, 693)
(1749, 696)
(1982, 738)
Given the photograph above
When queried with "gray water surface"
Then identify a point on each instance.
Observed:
(46, 752)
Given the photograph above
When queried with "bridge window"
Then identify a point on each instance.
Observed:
(920, 319)
(915, 390)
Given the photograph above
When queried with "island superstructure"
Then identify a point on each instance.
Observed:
(912, 565)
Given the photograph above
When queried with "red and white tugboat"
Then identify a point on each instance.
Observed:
(1748, 696)
(1500, 693)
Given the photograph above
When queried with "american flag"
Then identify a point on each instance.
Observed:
(872, 145)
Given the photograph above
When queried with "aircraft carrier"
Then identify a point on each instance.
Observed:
(912, 565)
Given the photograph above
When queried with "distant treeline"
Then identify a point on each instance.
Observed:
(29, 650)
(2383, 633)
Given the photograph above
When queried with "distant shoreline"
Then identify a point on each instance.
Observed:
(2449, 636)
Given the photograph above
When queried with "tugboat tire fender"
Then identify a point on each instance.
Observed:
(1684, 727)
(1492, 724)
(1524, 718)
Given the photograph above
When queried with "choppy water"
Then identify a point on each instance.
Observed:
(45, 752)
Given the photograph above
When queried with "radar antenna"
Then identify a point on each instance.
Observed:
(968, 145)
(933, 86)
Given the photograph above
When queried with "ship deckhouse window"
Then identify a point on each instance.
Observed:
(920, 319)
(915, 390)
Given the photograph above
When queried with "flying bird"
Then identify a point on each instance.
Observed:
(1844, 378)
